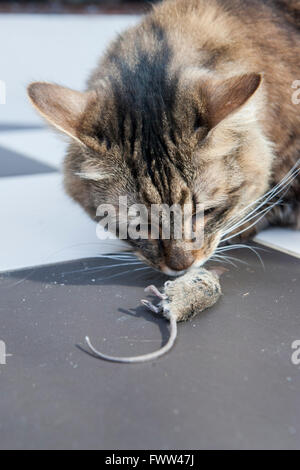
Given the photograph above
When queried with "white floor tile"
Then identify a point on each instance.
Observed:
(58, 48)
(41, 225)
(281, 239)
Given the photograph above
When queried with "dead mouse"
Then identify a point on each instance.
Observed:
(187, 295)
(180, 300)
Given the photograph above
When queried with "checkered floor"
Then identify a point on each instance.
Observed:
(39, 224)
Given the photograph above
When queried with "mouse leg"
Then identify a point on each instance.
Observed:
(153, 290)
(152, 307)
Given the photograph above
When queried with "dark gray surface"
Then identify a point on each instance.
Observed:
(228, 384)
(16, 164)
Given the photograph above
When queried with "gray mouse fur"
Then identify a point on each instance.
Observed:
(187, 295)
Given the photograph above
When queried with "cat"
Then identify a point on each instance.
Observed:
(191, 106)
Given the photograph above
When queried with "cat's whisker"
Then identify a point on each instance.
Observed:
(251, 248)
(237, 260)
(241, 246)
(123, 273)
(290, 176)
(223, 259)
(254, 213)
(228, 229)
(234, 235)
(100, 268)
(117, 257)
(258, 256)
(215, 260)
(244, 222)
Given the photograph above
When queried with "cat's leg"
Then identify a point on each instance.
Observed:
(286, 214)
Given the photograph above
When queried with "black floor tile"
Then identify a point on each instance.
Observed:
(16, 164)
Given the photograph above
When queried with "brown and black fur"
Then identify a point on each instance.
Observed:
(192, 105)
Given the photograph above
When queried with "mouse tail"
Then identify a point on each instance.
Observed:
(145, 357)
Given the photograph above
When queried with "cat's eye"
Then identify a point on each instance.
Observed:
(209, 211)
(198, 123)
(206, 213)
(103, 140)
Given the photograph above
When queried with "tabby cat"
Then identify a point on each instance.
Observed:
(192, 106)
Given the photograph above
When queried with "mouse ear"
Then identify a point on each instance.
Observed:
(218, 271)
(61, 107)
(228, 96)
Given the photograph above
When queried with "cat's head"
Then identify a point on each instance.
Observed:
(188, 140)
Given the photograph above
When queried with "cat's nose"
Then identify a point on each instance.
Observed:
(177, 261)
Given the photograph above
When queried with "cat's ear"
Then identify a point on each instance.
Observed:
(228, 96)
(60, 106)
